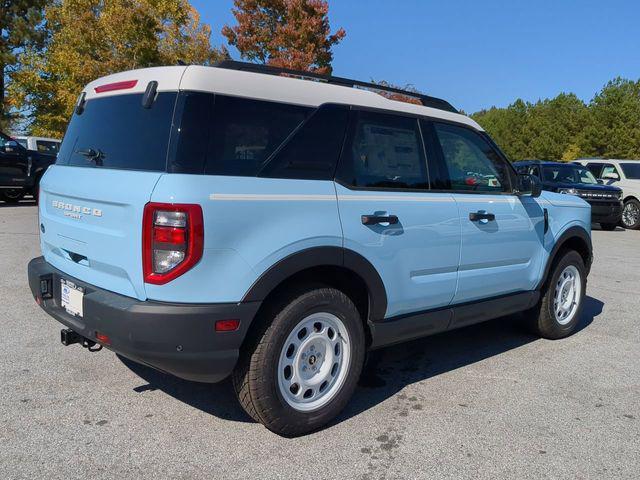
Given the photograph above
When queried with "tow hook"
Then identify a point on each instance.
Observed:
(69, 337)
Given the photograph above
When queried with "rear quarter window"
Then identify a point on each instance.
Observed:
(631, 170)
(231, 136)
(118, 132)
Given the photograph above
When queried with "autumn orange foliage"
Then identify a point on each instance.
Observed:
(292, 34)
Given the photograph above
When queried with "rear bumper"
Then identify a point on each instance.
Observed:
(609, 213)
(175, 338)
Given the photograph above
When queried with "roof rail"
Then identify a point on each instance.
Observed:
(426, 100)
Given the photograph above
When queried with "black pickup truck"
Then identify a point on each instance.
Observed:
(20, 169)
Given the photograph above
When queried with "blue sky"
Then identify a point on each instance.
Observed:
(479, 53)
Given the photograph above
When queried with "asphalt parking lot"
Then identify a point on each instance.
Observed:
(488, 401)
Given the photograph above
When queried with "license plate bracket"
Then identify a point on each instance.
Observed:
(71, 297)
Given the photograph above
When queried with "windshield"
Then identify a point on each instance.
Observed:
(631, 170)
(118, 132)
(568, 174)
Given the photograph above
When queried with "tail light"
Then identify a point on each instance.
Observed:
(172, 240)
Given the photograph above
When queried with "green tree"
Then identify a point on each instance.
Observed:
(92, 38)
(613, 130)
(21, 27)
(507, 126)
(552, 126)
(288, 33)
(545, 130)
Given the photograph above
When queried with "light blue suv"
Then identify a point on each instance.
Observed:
(216, 221)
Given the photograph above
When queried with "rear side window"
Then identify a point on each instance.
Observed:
(383, 151)
(473, 165)
(117, 132)
(246, 132)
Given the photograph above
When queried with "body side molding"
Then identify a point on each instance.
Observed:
(422, 324)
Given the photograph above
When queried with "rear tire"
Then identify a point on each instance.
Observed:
(302, 365)
(558, 313)
(631, 214)
(609, 227)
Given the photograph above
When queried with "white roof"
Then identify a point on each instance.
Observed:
(26, 137)
(606, 160)
(263, 87)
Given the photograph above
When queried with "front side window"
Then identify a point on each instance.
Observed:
(22, 141)
(609, 170)
(472, 164)
(383, 151)
(631, 170)
(595, 169)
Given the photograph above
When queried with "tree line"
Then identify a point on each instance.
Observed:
(566, 128)
(50, 49)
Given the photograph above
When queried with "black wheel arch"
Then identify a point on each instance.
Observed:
(574, 238)
(335, 259)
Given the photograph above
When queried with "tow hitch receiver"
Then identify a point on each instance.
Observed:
(69, 337)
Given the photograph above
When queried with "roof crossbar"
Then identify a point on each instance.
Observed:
(426, 100)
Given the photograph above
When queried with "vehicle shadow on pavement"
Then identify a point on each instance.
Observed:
(386, 373)
(389, 370)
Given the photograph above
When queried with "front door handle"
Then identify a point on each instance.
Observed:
(376, 219)
(481, 215)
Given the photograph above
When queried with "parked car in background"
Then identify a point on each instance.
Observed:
(39, 144)
(572, 179)
(288, 227)
(20, 169)
(624, 174)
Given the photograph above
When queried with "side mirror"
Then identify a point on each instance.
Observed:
(529, 185)
(611, 176)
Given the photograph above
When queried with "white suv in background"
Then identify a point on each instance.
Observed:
(624, 174)
(39, 144)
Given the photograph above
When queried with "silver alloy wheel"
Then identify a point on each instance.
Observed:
(567, 295)
(630, 214)
(314, 362)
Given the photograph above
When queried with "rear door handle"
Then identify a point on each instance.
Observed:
(376, 219)
(481, 215)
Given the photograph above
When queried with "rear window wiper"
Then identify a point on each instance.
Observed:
(94, 155)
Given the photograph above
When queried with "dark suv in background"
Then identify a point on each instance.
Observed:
(573, 179)
(20, 169)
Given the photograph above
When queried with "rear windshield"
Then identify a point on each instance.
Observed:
(631, 170)
(206, 133)
(118, 132)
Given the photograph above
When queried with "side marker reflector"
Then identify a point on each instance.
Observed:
(227, 325)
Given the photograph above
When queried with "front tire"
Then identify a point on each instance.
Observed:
(631, 214)
(302, 365)
(558, 313)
